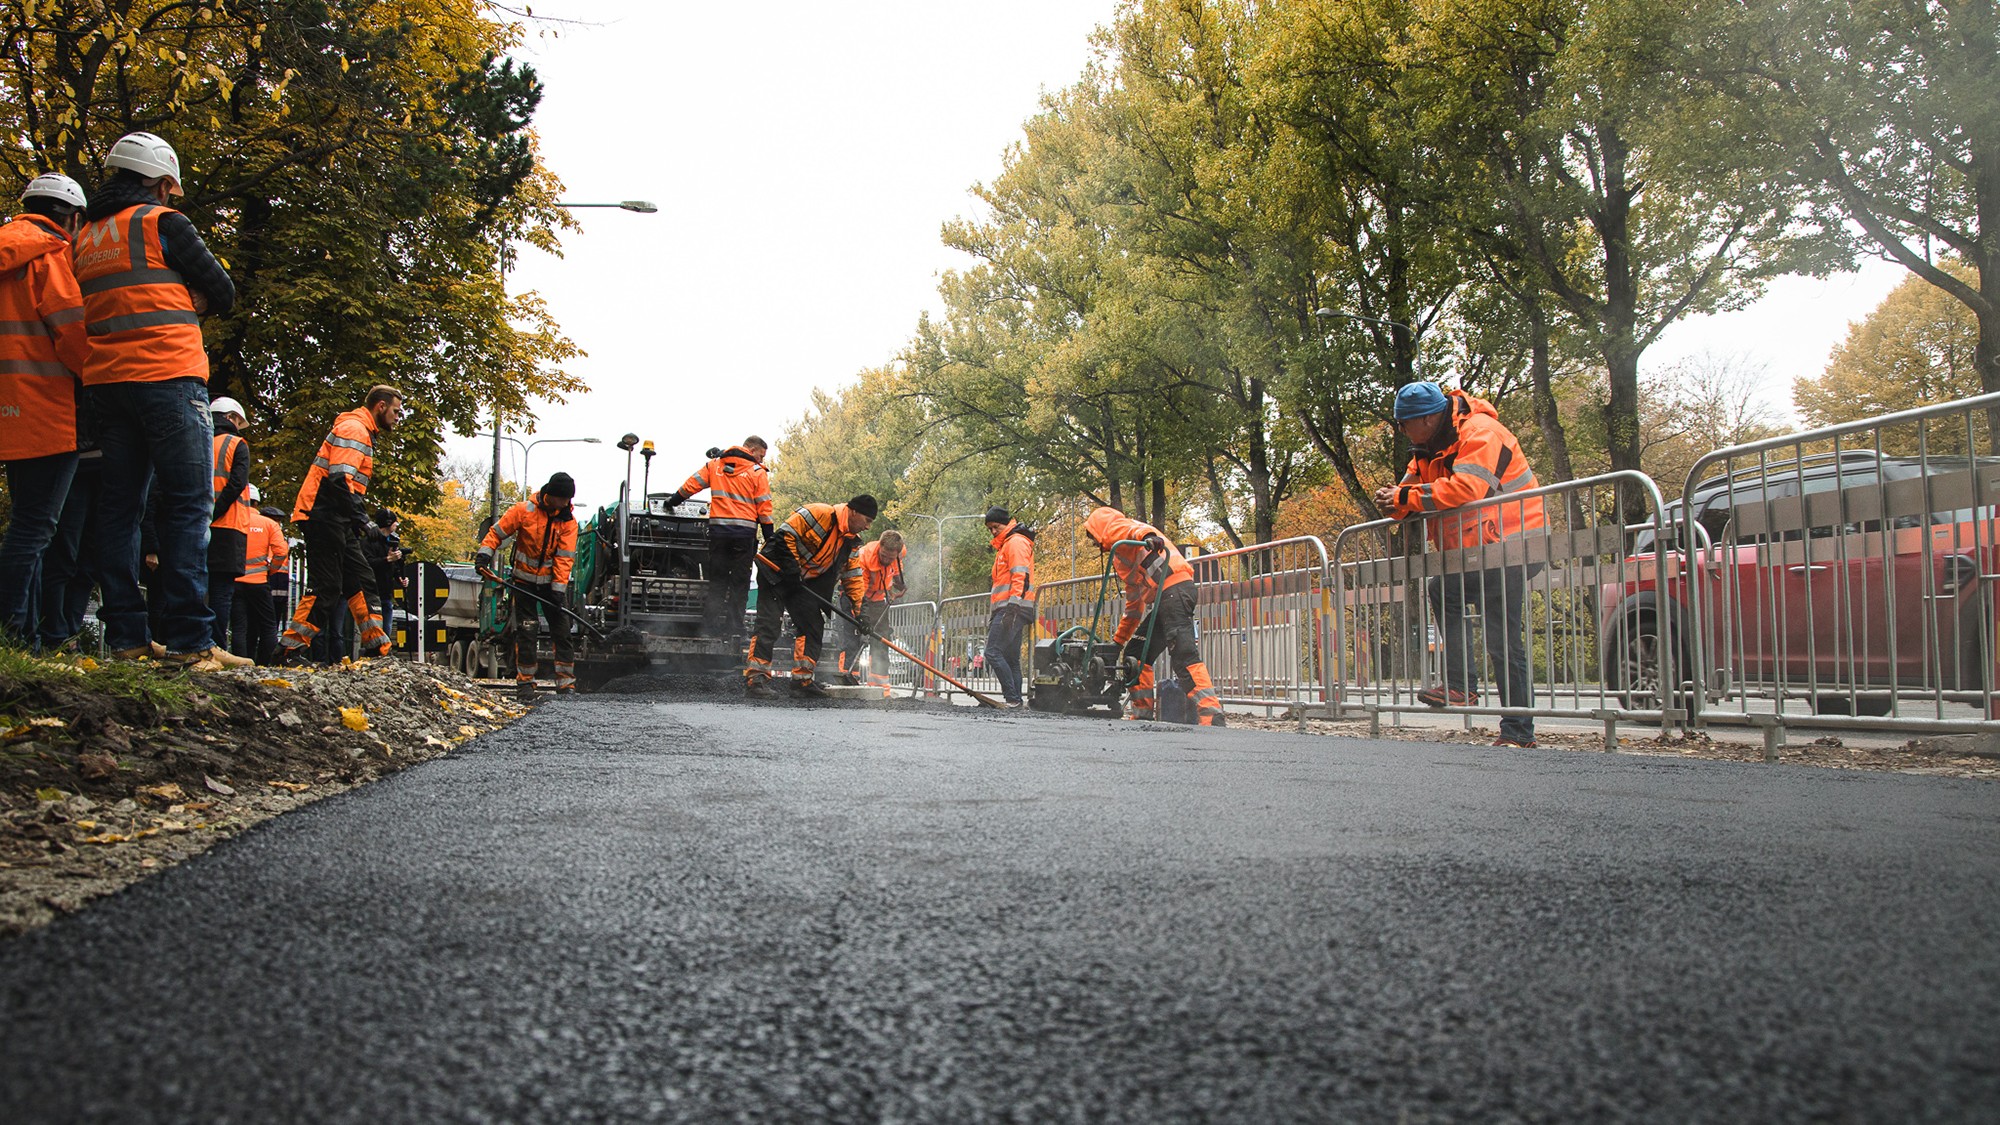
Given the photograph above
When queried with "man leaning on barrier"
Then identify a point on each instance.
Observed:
(1461, 454)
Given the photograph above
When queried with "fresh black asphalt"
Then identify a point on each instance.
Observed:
(638, 908)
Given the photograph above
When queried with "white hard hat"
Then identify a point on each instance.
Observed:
(54, 185)
(147, 155)
(227, 405)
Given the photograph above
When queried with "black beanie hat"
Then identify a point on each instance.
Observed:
(561, 485)
(997, 514)
(865, 505)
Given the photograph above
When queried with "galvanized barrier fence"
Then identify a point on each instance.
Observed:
(1261, 613)
(914, 626)
(1476, 611)
(1844, 576)
(962, 654)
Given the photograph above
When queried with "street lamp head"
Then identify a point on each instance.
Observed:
(641, 206)
(1327, 312)
(628, 441)
(592, 440)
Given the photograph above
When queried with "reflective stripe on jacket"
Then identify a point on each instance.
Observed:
(1485, 460)
(1146, 574)
(818, 538)
(880, 580)
(42, 342)
(544, 544)
(138, 311)
(236, 517)
(348, 452)
(1013, 568)
(739, 490)
(265, 551)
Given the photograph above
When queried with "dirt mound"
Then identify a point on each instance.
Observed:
(107, 774)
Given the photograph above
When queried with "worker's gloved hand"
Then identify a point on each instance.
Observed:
(484, 558)
(1155, 542)
(676, 500)
(788, 567)
(770, 538)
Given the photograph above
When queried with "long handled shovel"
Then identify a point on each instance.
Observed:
(911, 656)
(627, 641)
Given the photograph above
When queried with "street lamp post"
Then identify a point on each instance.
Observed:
(638, 206)
(525, 449)
(528, 481)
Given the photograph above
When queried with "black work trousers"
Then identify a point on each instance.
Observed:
(777, 598)
(1169, 628)
(530, 602)
(730, 557)
(1502, 597)
(336, 570)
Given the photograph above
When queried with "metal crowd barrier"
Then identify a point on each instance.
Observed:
(1261, 612)
(1565, 585)
(914, 626)
(962, 651)
(1845, 576)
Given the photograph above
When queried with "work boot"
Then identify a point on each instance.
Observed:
(759, 689)
(229, 659)
(193, 661)
(812, 689)
(524, 691)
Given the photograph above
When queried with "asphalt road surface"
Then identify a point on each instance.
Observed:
(637, 908)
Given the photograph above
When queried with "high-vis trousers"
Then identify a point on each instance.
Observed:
(776, 598)
(1170, 629)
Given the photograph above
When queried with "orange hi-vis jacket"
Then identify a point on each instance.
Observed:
(1146, 575)
(739, 490)
(139, 313)
(1485, 461)
(1013, 568)
(880, 580)
(42, 342)
(236, 517)
(544, 544)
(347, 452)
(265, 552)
(818, 538)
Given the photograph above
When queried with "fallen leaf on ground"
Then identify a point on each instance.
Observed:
(50, 795)
(86, 824)
(105, 838)
(354, 718)
(294, 786)
(165, 791)
(96, 767)
(87, 664)
(275, 682)
(217, 786)
(48, 721)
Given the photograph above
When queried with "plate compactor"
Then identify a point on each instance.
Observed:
(1078, 674)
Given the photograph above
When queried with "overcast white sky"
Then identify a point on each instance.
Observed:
(804, 157)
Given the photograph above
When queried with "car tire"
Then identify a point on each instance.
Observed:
(1630, 661)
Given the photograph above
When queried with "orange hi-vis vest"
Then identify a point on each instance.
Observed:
(348, 452)
(1013, 568)
(1145, 574)
(818, 537)
(544, 544)
(139, 313)
(739, 490)
(265, 551)
(1485, 461)
(880, 580)
(42, 342)
(228, 447)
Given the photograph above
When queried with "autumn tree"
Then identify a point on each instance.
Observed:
(362, 168)
(1918, 347)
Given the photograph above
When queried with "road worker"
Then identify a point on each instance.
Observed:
(739, 503)
(228, 532)
(543, 528)
(253, 627)
(330, 513)
(1012, 598)
(875, 582)
(808, 559)
(147, 279)
(42, 350)
(1159, 611)
(1461, 454)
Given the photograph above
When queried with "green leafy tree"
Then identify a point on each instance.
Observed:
(1919, 347)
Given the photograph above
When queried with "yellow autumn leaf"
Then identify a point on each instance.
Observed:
(274, 681)
(354, 718)
(87, 664)
(105, 838)
(86, 825)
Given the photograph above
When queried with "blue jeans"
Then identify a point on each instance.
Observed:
(66, 569)
(156, 435)
(38, 486)
(1003, 648)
